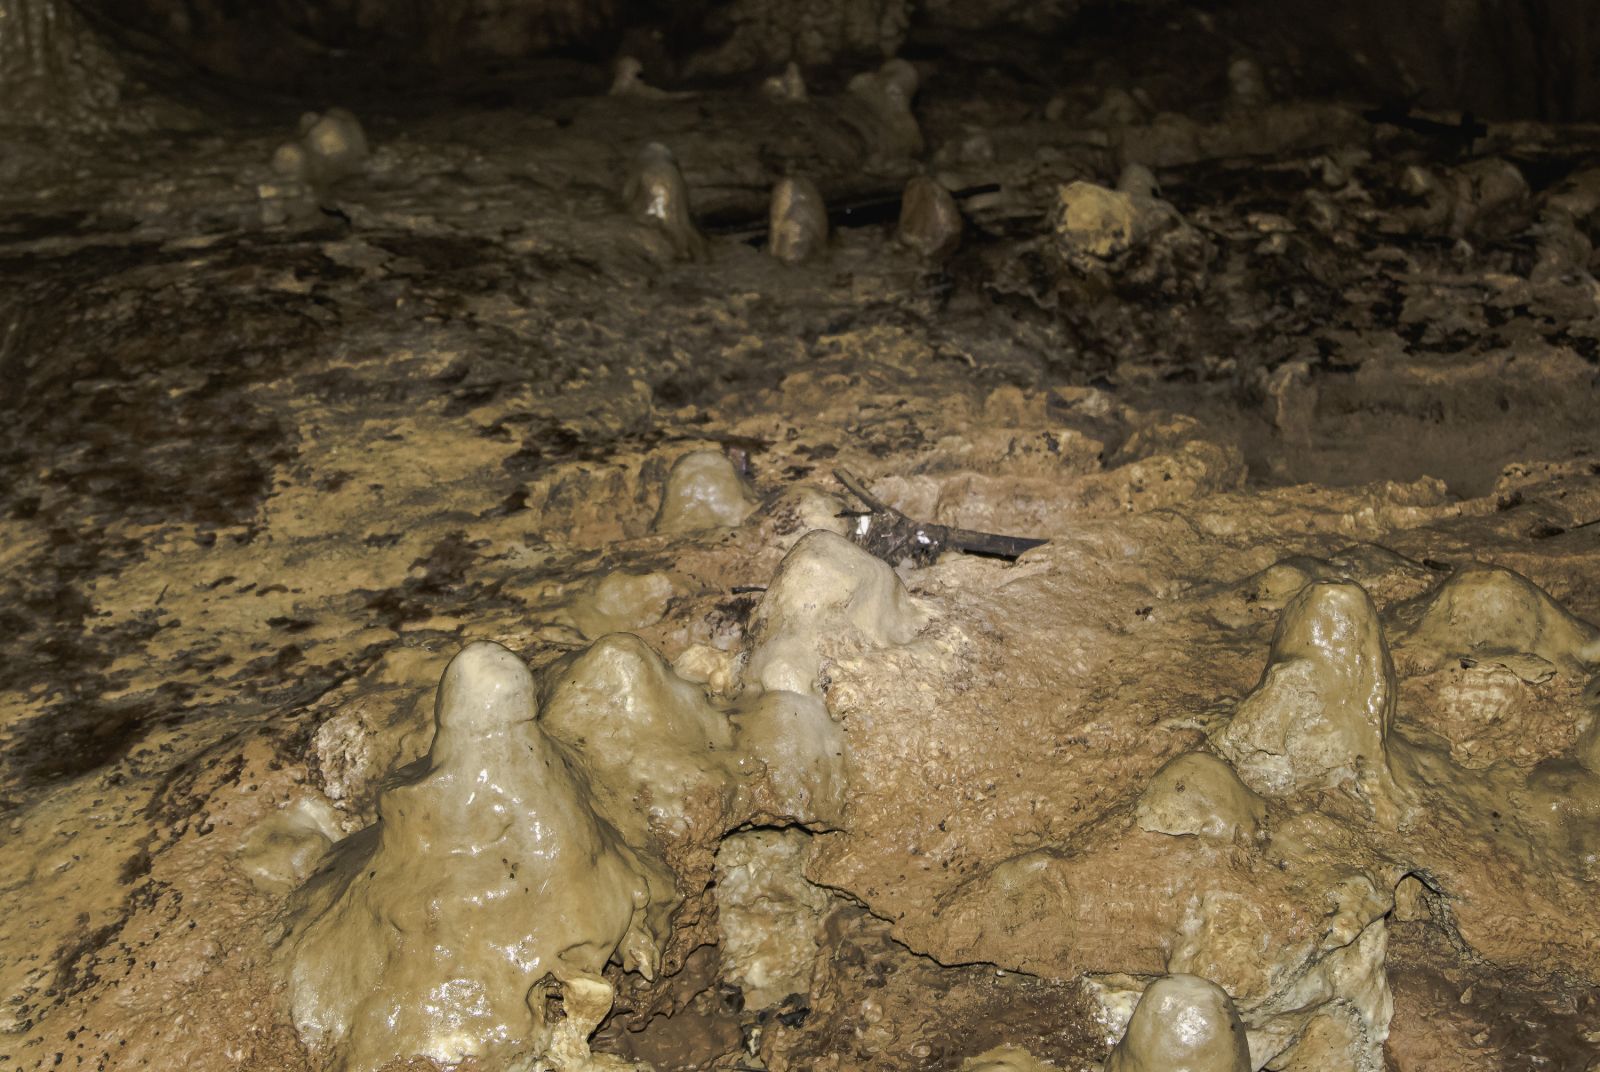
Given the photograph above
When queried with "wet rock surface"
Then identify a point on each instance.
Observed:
(1297, 702)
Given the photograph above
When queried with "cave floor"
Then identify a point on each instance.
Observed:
(262, 444)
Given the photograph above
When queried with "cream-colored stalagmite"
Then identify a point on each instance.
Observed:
(1323, 710)
(797, 225)
(826, 587)
(489, 895)
(1183, 1023)
(930, 221)
(1197, 793)
(703, 491)
(331, 146)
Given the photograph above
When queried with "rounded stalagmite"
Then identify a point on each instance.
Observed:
(1247, 83)
(1197, 793)
(703, 491)
(656, 194)
(1183, 1023)
(825, 588)
(798, 225)
(488, 877)
(930, 222)
(1323, 709)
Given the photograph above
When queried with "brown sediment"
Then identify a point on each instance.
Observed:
(1298, 697)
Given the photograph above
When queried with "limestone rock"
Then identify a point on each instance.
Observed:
(655, 194)
(1324, 707)
(620, 601)
(798, 222)
(1126, 238)
(488, 894)
(764, 33)
(1487, 613)
(1197, 793)
(703, 491)
(1182, 1024)
(826, 587)
(769, 916)
(649, 740)
(930, 222)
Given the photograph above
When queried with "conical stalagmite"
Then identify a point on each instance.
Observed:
(825, 587)
(798, 224)
(1323, 708)
(655, 193)
(488, 886)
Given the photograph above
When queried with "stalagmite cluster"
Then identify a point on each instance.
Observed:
(791, 563)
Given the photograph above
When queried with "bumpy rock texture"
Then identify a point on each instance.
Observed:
(489, 893)
(1298, 698)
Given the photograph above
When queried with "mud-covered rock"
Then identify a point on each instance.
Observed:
(1325, 705)
(489, 877)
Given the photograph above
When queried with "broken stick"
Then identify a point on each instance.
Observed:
(892, 536)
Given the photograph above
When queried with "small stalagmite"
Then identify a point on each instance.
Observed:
(930, 222)
(790, 86)
(1247, 84)
(1485, 612)
(1183, 1023)
(703, 491)
(489, 893)
(1322, 712)
(1197, 793)
(826, 587)
(656, 194)
(888, 93)
(331, 146)
(798, 225)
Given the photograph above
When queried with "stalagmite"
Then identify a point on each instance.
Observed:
(790, 86)
(1483, 612)
(331, 146)
(1183, 1023)
(656, 194)
(930, 222)
(488, 894)
(1247, 84)
(1324, 707)
(703, 491)
(798, 222)
(826, 587)
(888, 93)
(1197, 793)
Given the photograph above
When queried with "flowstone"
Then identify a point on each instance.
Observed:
(475, 918)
